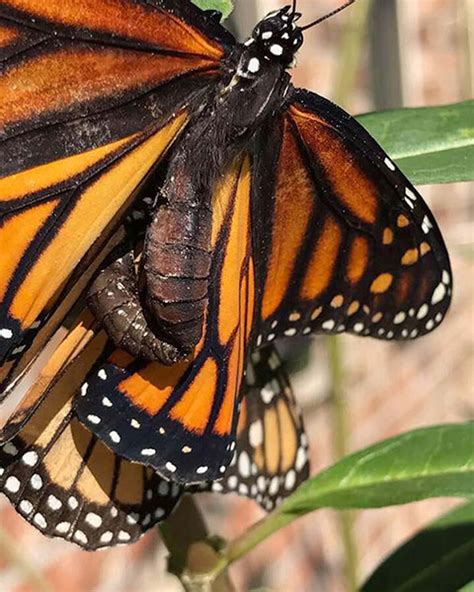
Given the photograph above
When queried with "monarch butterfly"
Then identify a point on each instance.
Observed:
(68, 484)
(278, 215)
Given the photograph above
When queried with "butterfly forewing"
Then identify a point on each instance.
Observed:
(91, 100)
(353, 246)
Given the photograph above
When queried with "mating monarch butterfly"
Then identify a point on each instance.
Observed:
(68, 484)
(278, 215)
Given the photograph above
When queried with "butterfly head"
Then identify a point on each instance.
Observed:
(278, 37)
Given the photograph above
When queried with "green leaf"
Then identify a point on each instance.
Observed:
(430, 144)
(224, 6)
(438, 558)
(430, 462)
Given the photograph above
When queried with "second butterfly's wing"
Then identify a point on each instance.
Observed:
(181, 420)
(346, 242)
(91, 100)
(271, 458)
(60, 477)
(68, 484)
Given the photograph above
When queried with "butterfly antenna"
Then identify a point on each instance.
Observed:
(327, 16)
(293, 10)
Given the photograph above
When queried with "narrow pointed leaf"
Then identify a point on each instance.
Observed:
(430, 144)
(438, 558)
(430, 462)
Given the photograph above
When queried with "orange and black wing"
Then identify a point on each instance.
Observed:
(62, 479)
(346, 242)
(93, 94)
(181, 420)
(271, 458)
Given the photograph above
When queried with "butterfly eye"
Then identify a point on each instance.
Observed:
(297, 39)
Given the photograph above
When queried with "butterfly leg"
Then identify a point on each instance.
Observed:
(114, 300)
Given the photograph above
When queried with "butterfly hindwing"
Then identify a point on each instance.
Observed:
(351, 245)
(181, 420)
(68, 484)
(271, 458)
(64, 480)
(91, 100)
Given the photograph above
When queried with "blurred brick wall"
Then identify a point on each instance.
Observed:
(390, 388)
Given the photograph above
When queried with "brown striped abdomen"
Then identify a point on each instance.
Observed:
(176, 269)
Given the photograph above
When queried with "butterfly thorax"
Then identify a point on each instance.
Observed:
(275, 39)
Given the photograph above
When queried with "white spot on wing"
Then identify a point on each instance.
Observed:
(12, 484)
(170, 467)
(63, 527)
(400, 317)
(329, 325)
(423, 312)
(80, 537)
(439, 294)
(40, 520)
(256, 434)
(290, 480)
(26, 506)
(10, 449)
(148, 452)
(36, 482)
(54, 503)
(244, 465)
(115, 436)
(106, 537)
(93, 519)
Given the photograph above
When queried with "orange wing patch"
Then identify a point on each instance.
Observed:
(294, 204)
(323, 260)
(348, 182)
(73, 77)
(9, 34)
(132, 21)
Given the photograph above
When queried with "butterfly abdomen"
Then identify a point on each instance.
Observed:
(177, 262)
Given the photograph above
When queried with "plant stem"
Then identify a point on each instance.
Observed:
(351, 51)
(341, 448)
(192, 556)
(350, 56)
